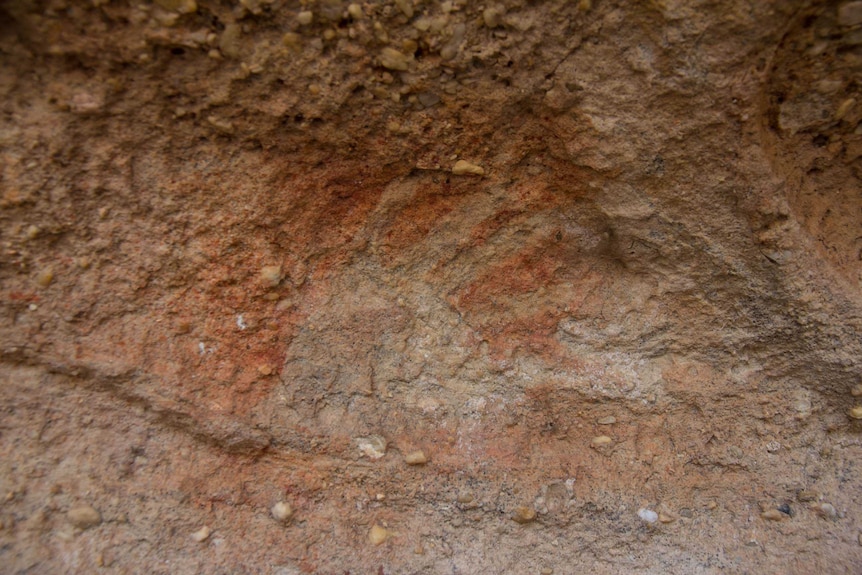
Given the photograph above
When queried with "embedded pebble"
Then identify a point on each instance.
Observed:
(850, 14)
(825, 510)
(378, 535)
(220, 124)
(292, 40)
(773, 515)
(609, 420)
(392, 59)
(305, 17)
(648, 515)
(355, 11)
(465, 168)
(84, 516)
(406, 7)
(372, 447)
(523, 514)
(807, 495)
(271, 275)
(229, 42)
(547, 571)
(281, 511)
(428, 99)
(416, 458)
(46, 276)
(665, 518)
(845, 107)
(492, 17)
(265, 369)
(601, 441)
(201, 534)
(32, 232)
(855, 413)
(179, 6)
(465, 498)
(856, 391)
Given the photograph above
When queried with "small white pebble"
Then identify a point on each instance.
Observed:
(32, 232)
(373, 447)
(32, 307)
(609, 420)
(281, 511)
(201, 534)
(648, 515)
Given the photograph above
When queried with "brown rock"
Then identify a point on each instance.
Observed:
(84, 516)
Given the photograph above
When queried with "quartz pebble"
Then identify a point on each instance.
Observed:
(372, 447)
(465, 168)
(855, 412)
(201, 534)
(281, 511)
(416, 458)
(648, 515)
(84, 516)
(609, 420)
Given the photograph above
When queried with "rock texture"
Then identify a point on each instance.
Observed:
(598, 262)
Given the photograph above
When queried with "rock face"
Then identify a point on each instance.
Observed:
(243, 240)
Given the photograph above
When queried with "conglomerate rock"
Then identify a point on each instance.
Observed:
(457, 287)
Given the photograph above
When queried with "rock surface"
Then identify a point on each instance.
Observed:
(235, 245)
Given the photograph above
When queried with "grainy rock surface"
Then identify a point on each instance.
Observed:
(263, 251)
